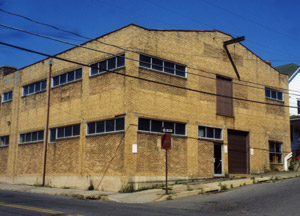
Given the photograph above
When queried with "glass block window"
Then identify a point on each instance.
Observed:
(157, 126)
(36, 136)
(106, 126)
(107, 65)
(210, 133)
(34, 87)
(162, 65)
(68, 77)
(7, 96)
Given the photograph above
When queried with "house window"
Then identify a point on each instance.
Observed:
(7, 96)
(4, 141)
(106, 126)
(210, 133)
(275, 149)
(68, 77)
(162, 65)
(157, 125)
(36, 136)
(64, 132)
(34, 87)
(108, 64)
(298, 105)
(224, 96)
(274, 94)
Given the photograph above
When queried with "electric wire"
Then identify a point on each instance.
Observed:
(144, 79)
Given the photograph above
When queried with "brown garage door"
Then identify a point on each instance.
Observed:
(238, 152)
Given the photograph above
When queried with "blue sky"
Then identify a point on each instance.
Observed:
(271, 27)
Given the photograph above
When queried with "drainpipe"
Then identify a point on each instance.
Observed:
(47, 124)
(286, 158)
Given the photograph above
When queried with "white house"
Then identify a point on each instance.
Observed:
(293, 71)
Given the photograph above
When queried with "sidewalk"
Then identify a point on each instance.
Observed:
(152, 195)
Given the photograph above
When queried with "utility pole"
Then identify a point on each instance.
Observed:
(47, 123)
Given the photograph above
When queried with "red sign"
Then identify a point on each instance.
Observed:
(166, 141)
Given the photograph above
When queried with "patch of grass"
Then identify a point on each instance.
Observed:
(169, 198)
(65, 187)
(223, 187)
(231, 186)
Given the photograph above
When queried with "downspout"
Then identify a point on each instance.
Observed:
(286, 158)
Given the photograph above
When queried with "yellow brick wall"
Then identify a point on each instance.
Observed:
(108, 95)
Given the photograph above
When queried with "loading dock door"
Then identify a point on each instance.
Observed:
(238, 152)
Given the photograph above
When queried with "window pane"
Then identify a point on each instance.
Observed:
(34, 136)
(91, 128)
(157, 64)
(169, 67)
(44, 84)
(156, 126)
(279, 96)
(52, 135)
(76, 130)
(94, 69)
(56, 81)
(180, 128)
(180, 70)
(272, 147)
(25, 90)
(218, 133)
(10, 95)
(4, 97)
(31, 88)
(28, 137)
(169, 125)
(63, 78)
(68, 131)
(41, 135)
(144, 124)
(279, 158)
(121, 60)
(278, 148)
(61, 132)
(145, 61)
(110, 125)
(120, 124)
(273, 94)
(268, 93)
(210, 132)
(272, 158)
(111, 63)
(100, 127)
(201, 131)
(78, 73)
(102, 66)
(6, 141)
(37, 87)
(71, 76)
(22, 138)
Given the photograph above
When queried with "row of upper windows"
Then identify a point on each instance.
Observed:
(116, 62)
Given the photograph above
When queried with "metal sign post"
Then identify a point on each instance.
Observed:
(166, 143)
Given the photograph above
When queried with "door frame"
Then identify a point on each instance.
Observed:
(222, 159)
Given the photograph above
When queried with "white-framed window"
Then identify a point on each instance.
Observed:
(7, 96)
(64, 132)
(156, 126)
(107, 65)
(4, 141)
(210, 132)
(34, 87)
(31, 137)
(275, 149)
(274, 94)
(67, 77)
(106, 126)
(162, 65)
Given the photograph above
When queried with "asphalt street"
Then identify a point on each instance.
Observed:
(278, 198)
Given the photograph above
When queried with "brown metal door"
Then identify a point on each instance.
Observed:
(238, 152)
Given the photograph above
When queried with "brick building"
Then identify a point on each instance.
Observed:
(104, 127)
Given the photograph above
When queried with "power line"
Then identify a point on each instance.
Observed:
(65, 42)
(144, 79)
(286, 90)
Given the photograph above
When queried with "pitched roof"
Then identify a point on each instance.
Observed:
(288, 69)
